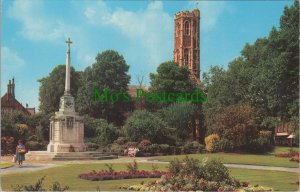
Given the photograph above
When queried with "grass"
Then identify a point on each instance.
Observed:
(245, 159)
(68, 175)
(278, 180)
(283, 150)
(4, 165)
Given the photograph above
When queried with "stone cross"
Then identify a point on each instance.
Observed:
(68, 60)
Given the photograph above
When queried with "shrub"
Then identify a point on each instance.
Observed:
(92, 145)
(7, 145)
(146, 125)
(265, 133)
(192, 147)
(106, 132)
(38, 186)
(259, 145)
(131, 144)
(223, 145)
(33, 145)
(165, 149)
(57, 187)
(210, 142)
(110, 168)
(121, 140)
(193, 175)
(235, 123)
(116, 148)
(132, 167)
(144, 143)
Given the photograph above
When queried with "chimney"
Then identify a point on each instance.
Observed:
(9, 88)
(13, 88)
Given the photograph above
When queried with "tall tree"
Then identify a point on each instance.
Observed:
(171, 78)
(52, 88)
(110, 72)
(265, 76)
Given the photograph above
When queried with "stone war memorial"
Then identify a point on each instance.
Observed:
(66, 138)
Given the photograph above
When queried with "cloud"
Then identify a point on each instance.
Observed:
(210, 12)
(35, 25)
(10, 60)
(149, 29)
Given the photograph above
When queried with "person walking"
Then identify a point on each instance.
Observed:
(20, 153)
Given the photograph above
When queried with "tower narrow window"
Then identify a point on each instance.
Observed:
(186, 57)
(187, 28)
(177, 29)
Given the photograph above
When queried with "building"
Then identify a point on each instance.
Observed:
(187, 41)
(9, 103)
(284, 135)
(187, 53)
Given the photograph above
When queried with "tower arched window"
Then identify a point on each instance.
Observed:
(187, 28)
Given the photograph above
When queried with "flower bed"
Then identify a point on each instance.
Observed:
(287, 155)
(104, 175)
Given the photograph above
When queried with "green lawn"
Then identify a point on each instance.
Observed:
(278, 180)
(68, 175)
(283, 150)
(4, 165)
(237, 158)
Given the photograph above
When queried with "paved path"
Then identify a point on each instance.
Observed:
(26, 167)
(35, 166)
(257, 167)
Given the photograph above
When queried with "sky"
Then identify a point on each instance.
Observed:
(34, 34)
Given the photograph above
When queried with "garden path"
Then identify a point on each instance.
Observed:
(33, 166)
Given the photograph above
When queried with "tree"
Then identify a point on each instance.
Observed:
(106, 132)
(52, 88)
(110, 71)
(179, 116)
(265, 76)
(236, 123)
(145, 125)
(171, 78)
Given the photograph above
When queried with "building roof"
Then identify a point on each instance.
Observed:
(9, 103)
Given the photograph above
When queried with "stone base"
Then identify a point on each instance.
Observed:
(67, 156)
(58, 147)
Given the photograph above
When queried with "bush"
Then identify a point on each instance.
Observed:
(33, 146)
(192, 147)
(193, 175)
(38, 186)
(132, 167)
(223, 145)
(144, 143)
(210, 142)
(121, 140)
(7, 145)
(145, 125)
(92, 145)
(165, 149)
(116, 148)
(106, 132)
(259, 145)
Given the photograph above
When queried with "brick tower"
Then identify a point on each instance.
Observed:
(187, 38)
(187, 53)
